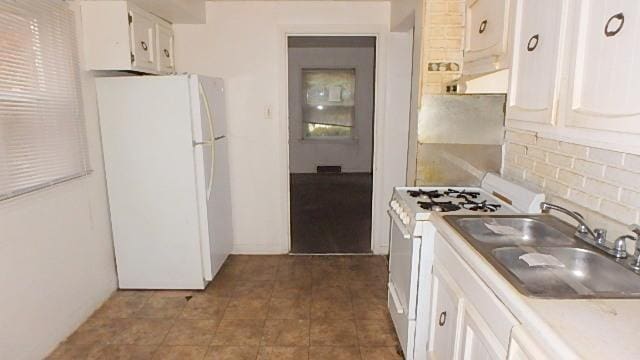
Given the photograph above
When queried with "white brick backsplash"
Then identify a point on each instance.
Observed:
(588, 168)
(605, 156)
(514, 173)
(545, 170)
(583, 199)
(534, 179)
(630, 197)
(625, 178)
(548, 144)
(536, 153)
(573, 149)
(601, 188)
(570, 178)
(559, 160)
(521, 137)
(622, 213)
(556, 188)
(632, 162)
(516, 149)
(526, 163)
(602, 183)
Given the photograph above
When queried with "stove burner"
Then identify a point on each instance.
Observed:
(431, 194)
(481, 206)
(439, 206)
(464, 194)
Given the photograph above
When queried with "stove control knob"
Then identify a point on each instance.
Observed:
(394, 204)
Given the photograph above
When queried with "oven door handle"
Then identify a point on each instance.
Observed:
(396, 219)
(394, 297)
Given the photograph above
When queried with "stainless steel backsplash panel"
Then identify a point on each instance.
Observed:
(459, 139)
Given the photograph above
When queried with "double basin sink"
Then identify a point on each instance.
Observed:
(540, 257)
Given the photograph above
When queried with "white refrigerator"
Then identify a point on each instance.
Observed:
(166, 161)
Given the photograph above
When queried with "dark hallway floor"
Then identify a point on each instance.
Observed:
(331, 213)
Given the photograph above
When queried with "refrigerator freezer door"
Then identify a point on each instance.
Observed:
(208, 108)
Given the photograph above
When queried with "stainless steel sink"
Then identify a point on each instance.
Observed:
(578, 273)
(539, 256)
(514, 231)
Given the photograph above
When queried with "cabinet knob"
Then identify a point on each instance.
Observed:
(166, 52)
(443, 318)
(483, 26)
(608, 31)
(533, 42)
(144, 45)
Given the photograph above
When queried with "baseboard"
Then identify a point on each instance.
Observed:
(257, 249)
(381, 249)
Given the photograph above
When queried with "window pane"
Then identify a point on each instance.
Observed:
(328, 101)
(42, 135)
(319, 130)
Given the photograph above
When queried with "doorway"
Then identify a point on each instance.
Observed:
(331, 87)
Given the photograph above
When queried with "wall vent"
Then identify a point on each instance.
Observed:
(328, 169)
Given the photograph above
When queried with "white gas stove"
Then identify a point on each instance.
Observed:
(411, 245)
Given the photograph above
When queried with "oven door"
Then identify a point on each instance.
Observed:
(404, 261)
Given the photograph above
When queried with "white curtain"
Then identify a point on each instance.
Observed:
(42, 133)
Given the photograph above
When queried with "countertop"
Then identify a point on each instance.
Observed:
(572, 329)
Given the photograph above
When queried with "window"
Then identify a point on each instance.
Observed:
(328, 108)
(42, 134)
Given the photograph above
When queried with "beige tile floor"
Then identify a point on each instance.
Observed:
(257, 307)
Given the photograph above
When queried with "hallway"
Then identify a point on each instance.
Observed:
(331, 213)
(257, 307)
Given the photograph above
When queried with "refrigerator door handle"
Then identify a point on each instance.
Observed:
(211, 136)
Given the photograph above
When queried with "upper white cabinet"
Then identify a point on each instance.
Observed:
(536, 61)
(604, 81)
(121, 36)
(486, 36)
(573, 71)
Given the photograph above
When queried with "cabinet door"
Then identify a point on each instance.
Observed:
(444, 316)
(486, 29)
(165, 49)
(477, 340)
(536, 59)
(143, 36)
(603, 91)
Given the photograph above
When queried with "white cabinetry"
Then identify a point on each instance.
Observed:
(447, 301)
(604, 80)
(122, 37)
(486, 36)
(536, 59)
(578, 83)
(468, 320)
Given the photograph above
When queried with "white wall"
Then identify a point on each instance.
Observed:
(354, 155)
(408, 15)
(244, 43)
(56, 255)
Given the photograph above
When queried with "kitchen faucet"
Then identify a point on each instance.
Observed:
(597, 237)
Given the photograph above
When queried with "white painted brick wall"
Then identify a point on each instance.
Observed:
(602, 183)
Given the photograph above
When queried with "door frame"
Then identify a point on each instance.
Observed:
(379, 239)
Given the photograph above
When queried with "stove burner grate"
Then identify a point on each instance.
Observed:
(464, 194)
(439, 206)
(431, 194)
(481, 206)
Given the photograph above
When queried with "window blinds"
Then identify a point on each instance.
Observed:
(42, 134)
